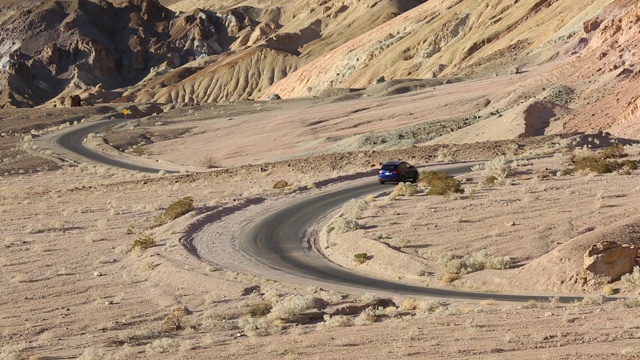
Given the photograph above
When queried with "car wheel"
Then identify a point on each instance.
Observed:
(381, 182)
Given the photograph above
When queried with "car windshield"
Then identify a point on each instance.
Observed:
(389, 167)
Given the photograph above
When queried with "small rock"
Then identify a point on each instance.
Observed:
(97, 273)
(509, 223)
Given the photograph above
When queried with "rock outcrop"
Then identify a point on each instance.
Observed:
(610, 259)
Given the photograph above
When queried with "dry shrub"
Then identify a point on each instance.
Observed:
(404, 189)
(175, 210)
(143, 242)
(280, 185)
(499, 168)
(176, 320)
(291, 305)
(361, 258)
(440, 183)
(490, 181)
(257, 326)
(343, 225)
(448, 278)
(162, 346)
(477, 262)
(632, 278)
(614, 151)
(208, 162)
(334, 322)
(353, 208)
(260, 309)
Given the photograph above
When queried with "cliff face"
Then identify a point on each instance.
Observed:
(140, 50)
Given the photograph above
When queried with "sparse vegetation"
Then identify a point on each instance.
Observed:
(175, 210)
(440, 183)
(343, 225)
(353, 208)
(143, 242)
(614, 151)
(499, 168)
(490, 180)
(208, 162)
(290, 306)
(470, 263)
(260, 309)
(176, 320)
(632, 278)
(404, 189)
(448, 278)
(361, 258)
(163, 345)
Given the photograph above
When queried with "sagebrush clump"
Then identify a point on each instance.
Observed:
(343, 225)
(353, 208)
(291, 305)
(499, 168)
(143, 242)
(632, 278)
(404, 189)
(175, 210)
(440, 183)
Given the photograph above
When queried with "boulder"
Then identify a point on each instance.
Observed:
(610, 259)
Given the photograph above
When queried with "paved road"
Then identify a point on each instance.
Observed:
(278, 241)
(71, 141)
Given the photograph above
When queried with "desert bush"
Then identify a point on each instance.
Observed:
(405, 189)
(477, 262)
(281, 184)
(334, 322)
(499, 168)
(179, 208)
(343, 225)
(369, 315)
(353, 208)
(290, 306)
(593, 163)
(176, 320)
(257, 326)
(260, 309)
(11, 352)
(360, 258)
(89, 354)
(448, 278)
(143, 242)
(614, 151)
(490, 180)
(163, 345)
(632, 278)
(440, 183)
(208, 162)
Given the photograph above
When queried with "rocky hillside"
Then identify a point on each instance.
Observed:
(83, 52)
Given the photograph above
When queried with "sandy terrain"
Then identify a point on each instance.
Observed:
(72, 288)
(74, 285)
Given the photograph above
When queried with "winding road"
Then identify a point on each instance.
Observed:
(69, 144)
(279, 241)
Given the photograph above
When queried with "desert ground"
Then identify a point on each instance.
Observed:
(75, 286)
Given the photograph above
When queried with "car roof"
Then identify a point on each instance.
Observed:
(393, 162)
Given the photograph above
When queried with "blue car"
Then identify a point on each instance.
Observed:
(397, 171)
